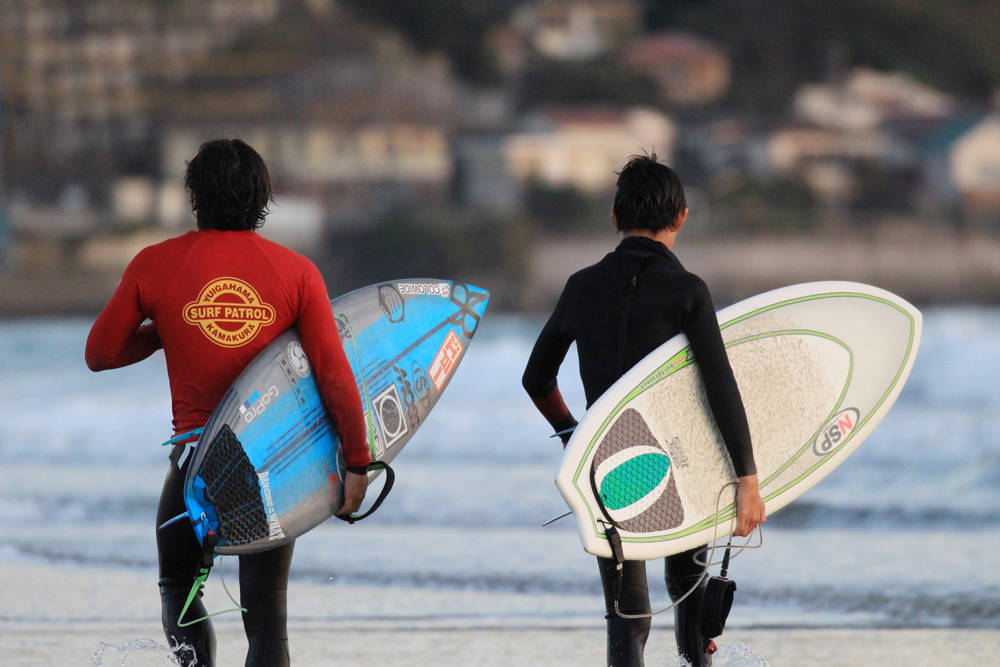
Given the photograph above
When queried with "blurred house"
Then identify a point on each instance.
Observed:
(81, 83)
(826, 159)
(482, 178)
(574, 29)
(584, 147)
(869, 120)
(866, 98)
(793, 145)
(722, 146)
(962, 165)
(350, 121)
(689, 70)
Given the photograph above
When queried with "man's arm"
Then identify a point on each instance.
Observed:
(702, 329)
(539, 378)
(118, 337)
(337, 386)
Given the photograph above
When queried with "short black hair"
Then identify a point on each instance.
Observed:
(229, 185)
(649, 195)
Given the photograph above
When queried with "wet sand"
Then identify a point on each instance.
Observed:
(77, 615)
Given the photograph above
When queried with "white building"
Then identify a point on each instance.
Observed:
(867, 98)
(585, 147)
(964, 164)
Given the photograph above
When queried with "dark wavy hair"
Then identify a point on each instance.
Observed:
(229, 185)
(649, 195)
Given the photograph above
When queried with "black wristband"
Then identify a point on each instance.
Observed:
(358, 470)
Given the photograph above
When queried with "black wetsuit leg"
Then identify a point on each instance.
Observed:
(681, 574)
(263, 587)
(264, 595)
(626, 636)
(180, 557)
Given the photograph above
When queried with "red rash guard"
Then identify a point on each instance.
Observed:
(216, 299)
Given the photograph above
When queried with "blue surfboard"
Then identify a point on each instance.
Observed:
(268, 466)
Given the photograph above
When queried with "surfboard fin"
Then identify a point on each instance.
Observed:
(554, 519)
(170, 522)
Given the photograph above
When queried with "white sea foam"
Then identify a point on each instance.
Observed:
(138, 652)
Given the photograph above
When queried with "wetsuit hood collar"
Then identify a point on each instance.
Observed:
(646, 246)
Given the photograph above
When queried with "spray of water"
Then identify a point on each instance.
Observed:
(729, 655)
(150, 648)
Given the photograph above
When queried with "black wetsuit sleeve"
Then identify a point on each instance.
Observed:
(702, 330)
(550, 349)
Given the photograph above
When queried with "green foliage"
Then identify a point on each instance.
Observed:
(883, 190)
(454, 27)
(754, 206)
(561, 209)
(486, 251)
(598, 81)
(776, 45)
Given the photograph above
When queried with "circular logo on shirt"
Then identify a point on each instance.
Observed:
(229, 312)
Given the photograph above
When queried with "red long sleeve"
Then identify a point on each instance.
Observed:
(216, 299)
(332, 371)
(117, 339)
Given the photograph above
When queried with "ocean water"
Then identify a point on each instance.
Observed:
(904, 534)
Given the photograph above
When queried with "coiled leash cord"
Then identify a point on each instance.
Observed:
(721, 591)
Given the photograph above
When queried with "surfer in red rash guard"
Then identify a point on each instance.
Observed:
(216, 297)
(618, 311)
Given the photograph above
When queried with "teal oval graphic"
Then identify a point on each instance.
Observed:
(633, 479)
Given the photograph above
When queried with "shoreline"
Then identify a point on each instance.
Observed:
(921, 266)
(71, 614)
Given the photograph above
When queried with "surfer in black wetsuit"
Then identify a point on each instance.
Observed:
(618, 311)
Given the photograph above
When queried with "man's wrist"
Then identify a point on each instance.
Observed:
(358, 470)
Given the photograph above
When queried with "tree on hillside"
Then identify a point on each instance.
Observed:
(776, 45)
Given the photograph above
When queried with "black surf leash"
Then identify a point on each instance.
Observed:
(717, 599)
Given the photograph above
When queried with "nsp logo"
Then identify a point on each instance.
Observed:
(255, 405)
(836, 430)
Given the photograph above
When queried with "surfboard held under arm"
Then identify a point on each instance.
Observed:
(268, 466)
(818, 366)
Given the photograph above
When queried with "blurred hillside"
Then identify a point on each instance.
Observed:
(480, 139)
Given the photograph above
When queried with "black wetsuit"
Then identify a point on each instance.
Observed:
(641, 295)
(263, 586)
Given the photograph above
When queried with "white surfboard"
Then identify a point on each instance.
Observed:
(818, 366)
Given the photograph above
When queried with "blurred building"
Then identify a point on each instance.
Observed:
(584, 147)
(81, 84)
(962, 166)
(574, 29)
(349, 119)
(689, 70)
(866, 98)
(483, 179)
